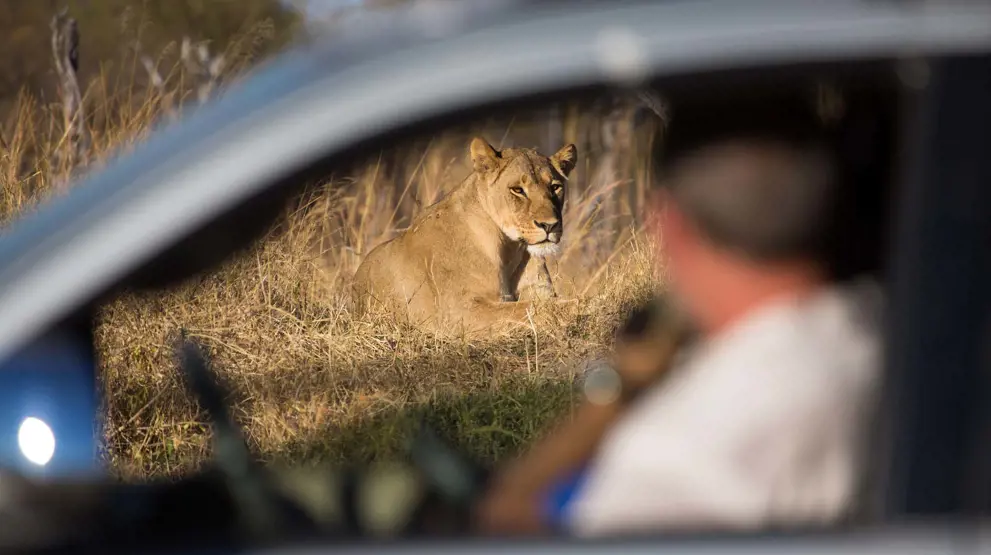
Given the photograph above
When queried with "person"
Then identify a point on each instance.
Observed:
(760, 421)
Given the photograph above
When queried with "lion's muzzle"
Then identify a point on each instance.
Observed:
(551, 229)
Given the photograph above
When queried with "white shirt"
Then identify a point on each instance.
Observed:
(761, 426)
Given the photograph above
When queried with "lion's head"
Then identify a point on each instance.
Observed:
(523, 191)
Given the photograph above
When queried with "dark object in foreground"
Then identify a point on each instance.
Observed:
(235, 501)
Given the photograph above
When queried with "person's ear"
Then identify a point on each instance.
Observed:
(484, 158)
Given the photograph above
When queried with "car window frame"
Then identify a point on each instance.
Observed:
(31, 256)
(918, 203)
(946, 194)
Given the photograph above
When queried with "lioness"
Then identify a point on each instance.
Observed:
(462, 259)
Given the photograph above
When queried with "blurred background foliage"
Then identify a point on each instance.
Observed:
(110, 29)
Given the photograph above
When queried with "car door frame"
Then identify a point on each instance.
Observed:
(919, 297)
(938, 361)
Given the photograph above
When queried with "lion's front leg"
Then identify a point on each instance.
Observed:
(506, 295)
(485, 313)
(510, 273)
(507, 289)
(546, 283)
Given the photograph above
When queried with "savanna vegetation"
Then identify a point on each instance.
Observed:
(310, 380)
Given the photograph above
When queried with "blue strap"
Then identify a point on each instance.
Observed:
(559, 497)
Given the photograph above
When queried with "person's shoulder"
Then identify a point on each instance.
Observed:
(826, 345)
(864, 300)
(837, 330)
(838, 334)
(848, 313)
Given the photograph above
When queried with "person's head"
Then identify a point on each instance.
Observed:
(745, 186)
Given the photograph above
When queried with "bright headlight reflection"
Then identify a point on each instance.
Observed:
(36, 440)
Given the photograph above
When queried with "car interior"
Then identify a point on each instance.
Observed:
(873, 114)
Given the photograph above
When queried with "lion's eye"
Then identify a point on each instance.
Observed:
(557, 188)
(518, 191)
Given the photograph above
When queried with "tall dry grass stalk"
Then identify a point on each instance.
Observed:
(310, 380)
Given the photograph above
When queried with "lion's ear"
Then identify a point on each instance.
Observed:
(565, 159)
(483, 156)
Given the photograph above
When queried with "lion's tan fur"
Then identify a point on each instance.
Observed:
(461, 261)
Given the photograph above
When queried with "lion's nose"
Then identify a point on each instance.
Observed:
(549, 226)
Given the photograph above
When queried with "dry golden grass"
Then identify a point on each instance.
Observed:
(309, 380)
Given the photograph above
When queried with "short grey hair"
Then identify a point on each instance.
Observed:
(765, 198)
